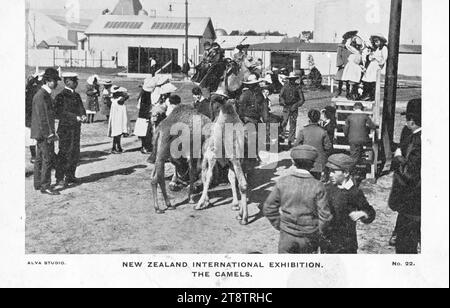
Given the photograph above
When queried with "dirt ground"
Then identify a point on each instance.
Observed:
(111, 212)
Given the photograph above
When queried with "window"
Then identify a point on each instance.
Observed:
(123, 25)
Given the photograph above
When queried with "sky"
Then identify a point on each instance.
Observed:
(287, 16)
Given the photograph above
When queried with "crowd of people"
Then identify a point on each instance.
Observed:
(316, 206)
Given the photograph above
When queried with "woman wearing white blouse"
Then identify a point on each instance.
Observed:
(377, 59)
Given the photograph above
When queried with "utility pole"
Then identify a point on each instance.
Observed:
(186, 46)
(390, 90)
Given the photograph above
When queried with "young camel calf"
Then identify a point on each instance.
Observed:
(223, 150)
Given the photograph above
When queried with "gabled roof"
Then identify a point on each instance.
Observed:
(146, 25)
(57, 41)
(320, 47)
(81, 26)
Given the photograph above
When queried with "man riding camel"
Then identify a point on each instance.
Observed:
(212, 56)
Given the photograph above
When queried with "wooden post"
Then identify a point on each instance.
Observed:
(85, 58)
(186, 52)
(54, 57)
(101, 59)
(70, 55)
(390, 93)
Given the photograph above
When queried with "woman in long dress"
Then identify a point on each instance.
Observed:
(377, 59)
(118, 120)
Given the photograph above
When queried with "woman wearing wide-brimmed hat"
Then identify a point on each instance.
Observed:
(143, 127)
(342, 59)
(377, 59)
(92, 93)
(354, 68)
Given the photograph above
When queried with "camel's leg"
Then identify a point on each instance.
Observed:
(155, 192)
(174, 182)
(207, 175)
(232, 180)
(192, 178)
(243, 217)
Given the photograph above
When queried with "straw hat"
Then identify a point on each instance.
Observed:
(168, 88)
(252, 79)
(117, 89)
(220, 92)
(91, 79)
(293, 75)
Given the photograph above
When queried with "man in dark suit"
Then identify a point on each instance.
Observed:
(71, 113)
(43, 130)
(405, 197)
(251, 106)
(291, 99)
(357, 127)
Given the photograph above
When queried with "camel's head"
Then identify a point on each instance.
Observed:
(229, 108)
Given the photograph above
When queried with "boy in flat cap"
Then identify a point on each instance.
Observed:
(71, 113)
(303, 203)
(348, 206)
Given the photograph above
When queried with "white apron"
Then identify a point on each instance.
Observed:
(378, 60)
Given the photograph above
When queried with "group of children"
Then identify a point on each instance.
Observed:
(359, 62)
(313, 216)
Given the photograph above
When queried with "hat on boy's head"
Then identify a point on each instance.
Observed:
(304, 152)
(414, 107)
(51, 74)
(340, 162)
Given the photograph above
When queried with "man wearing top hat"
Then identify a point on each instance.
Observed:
(43, 131)
(71, 113)
(291, 99)
(298, 206)
(405, 197)
(251, 105)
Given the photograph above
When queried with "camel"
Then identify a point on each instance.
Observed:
(231, 80)
(213, 156)
(161, 153)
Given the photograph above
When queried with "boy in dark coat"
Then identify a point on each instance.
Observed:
(357, 127)
(298, 206)
(348, 206)
(201, 104)
(317, 137)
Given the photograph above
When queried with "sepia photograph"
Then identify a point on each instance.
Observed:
(209, 128)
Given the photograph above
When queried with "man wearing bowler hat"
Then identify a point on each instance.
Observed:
(43, 131)
(405, 197)
(291, 99)
(298, 206)
(71, 113)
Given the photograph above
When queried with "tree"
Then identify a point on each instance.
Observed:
(273, 33)
(251, 33)
(235, 32)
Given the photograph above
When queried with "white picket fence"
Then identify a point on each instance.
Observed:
(71, 58)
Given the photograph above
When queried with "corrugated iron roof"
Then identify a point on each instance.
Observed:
(163, 26)
(58, 41)
(320, 47)
(81, 26)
